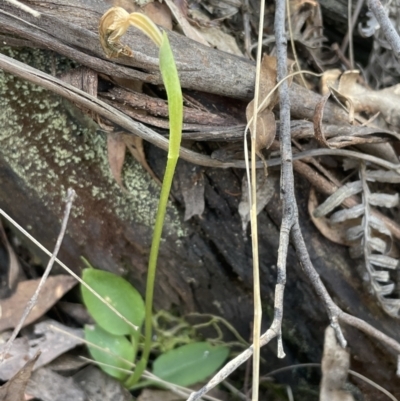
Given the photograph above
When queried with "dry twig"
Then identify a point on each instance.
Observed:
(290, 227)
(24, 7)
(387, 27)
(70, 198)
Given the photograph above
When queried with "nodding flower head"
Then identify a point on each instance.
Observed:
(115, 22)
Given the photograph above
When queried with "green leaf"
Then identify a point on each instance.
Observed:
(118, 345)
(121, 295)
(190, 363)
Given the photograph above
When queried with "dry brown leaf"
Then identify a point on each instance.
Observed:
(14, 389)
(50, 337)
(159, 13)
(307, 29)
(362, 99)
(317, 120)
(128, 5)
(334, 232)
(99, 386)
(266, 187)
(335, 367)
(355, 135)
(347, 102)
(15, 359)
(54, 339)
(187, 29)
(12, 308)
(116, 156)
(135, 147)
(268, 81)
(47, 385)
(266, 129)
(265, 125)
(215, 35)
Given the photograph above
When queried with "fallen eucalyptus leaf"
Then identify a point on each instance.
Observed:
(265, 192)
(335, 367)
(15, 359)
(159, 13)
(187, 29)
(14, 389)
(98, 386)
(50, 337)
(54, 339)
(12, 308)
(116, 156)
(47, 385)
(265, 124)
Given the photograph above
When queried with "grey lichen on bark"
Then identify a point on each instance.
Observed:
(51, 150)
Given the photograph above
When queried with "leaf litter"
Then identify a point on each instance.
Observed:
(13, 307)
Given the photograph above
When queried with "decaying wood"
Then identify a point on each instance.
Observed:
(200, 68)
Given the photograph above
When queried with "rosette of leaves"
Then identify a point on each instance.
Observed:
(371, 238)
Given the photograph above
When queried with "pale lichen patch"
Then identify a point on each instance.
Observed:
(50, 153)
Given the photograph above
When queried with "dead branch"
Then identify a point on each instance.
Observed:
(387, 27)
(200, 67)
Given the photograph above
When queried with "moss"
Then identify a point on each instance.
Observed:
(50, 151)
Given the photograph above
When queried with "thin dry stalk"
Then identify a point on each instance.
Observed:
(350, 31)
(24, 7)
(253, 219)
(292, 44)
(32, 302)
(232, 365)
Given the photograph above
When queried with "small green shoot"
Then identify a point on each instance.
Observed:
(184, 365)
(114, 23)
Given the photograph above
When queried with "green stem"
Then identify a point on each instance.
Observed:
(175, 109)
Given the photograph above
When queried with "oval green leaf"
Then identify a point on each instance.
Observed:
(190, 363)
(120, 294)
(118, 345)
